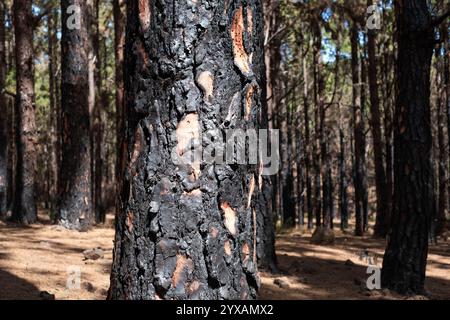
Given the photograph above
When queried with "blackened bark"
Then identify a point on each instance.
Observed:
(343, 196)
(405, 258)
(272, 61)
(75, 206)
(447, 78)
(25, 211)
(55, 133)
(3, 116)
(438, 223)
(307, 148)
(119, 44)
(97, 123)
(359, 140)
(265, 227)
(299, 151)
(363, 96)
(317, 123)
(187, 231)
(382, 216)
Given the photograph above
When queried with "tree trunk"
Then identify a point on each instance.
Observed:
(307, 143)
(317, 123)
(75, 207)
(343, 201)
(439, 221)
(382, 216)
(119, 45)
(363, 101)
(25, 211)
(54, 112)
(187, 230)
(359, 140)
(96, 82)
(3, 117)
(405, 258)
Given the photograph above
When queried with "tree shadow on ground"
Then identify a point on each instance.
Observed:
(320, 272)
(15, 288)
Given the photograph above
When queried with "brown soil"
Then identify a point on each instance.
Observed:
(38, 258)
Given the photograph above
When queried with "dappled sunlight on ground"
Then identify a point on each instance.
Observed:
(41, 257)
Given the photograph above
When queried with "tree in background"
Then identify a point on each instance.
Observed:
(75, 191)
(25, 210)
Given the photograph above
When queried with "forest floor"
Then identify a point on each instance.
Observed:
(42, 257)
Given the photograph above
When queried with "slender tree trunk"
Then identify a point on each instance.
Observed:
(363, 96)
(97, 106)
(343, 197)
(119, 44)
(359, 143)
(54, 112)
(446, 72)
(272, 61)
(3, 117)
(75, 207)
(307, 143)
(25, 211)
(382, 216)
(405, 258)
(300, 145)
(188, 231)
(317, 124)
(439, 221)
(387, 70)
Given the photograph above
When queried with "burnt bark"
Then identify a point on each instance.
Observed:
(359, 138)
(318, 87)
(96, 115)
(119, 44)
(439, 221)
(3, 117)
(188, 230)
(75, 195)
(24, 211)
(307, 148)
(405, 258)
(55, 111)
(382, 215)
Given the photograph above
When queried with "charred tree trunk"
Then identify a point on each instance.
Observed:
(363, 96)
(382, 216)
(75, 206)
(272, 61)
(3, 117)
(25, 211)
(317, 123)
(188, 230)
(119, 45)
(97, 107)
(359, 140)
(307, 148)
(343, 197)
(446, 72)
(438, 225)
(55, 133)
(299, 150)
(405, 258)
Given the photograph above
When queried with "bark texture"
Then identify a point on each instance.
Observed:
(3, 116)
(382, 216)
(25, 211)
(75, 206)
(405, 258)
(188, 231)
